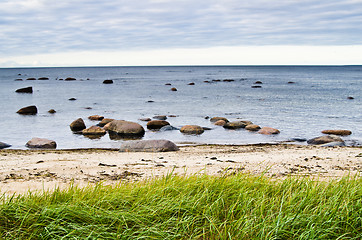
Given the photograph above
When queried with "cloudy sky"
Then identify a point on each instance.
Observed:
(179, 32)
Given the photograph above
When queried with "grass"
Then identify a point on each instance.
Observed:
(196, 207)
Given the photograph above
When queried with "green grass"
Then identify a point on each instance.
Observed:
(197, 207)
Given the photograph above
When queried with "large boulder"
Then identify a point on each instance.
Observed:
(215, 119)
(30, 110)
(324, 140)
(148, 146)
(339, 132)
(41, 143)
(94, 130)
(25, 90)
(77, 125)
(157, 124)
(125, 128)
(192, 129)
(235, 125)
(268, 131)
(4, 145)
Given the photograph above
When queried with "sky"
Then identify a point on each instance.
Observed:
(47, 33)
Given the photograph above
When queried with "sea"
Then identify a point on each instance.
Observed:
(300, 101)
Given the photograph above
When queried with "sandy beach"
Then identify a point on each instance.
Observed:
(37, 170)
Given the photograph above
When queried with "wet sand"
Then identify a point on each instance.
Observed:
(37, 170)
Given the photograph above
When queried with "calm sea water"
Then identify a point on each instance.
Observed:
(317, 100)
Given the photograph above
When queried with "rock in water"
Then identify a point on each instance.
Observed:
(94, 130)
(41, 143)
(4, 145)
(338, 132)
(252, 127)
(105, 121)
(192, 129)
(107, 81)
(30, 110)
(324, 140)
(157, 124)
(215, 119)
(268, 131)
(148, 146)
(235, 125)
(126, 128)
(96, 118)
(77, 125)
(25, 90)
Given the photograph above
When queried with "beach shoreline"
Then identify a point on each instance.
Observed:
(22, 171)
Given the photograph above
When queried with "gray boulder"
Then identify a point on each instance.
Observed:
(4, 145)
(324, 140)
(41, 143)
(148, 146)
(168, 128)
(334, 144)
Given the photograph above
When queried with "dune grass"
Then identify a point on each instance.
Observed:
(195, 207)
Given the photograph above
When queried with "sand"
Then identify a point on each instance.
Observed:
(37, 170)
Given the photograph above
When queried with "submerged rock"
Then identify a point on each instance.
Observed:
(235, 125)
(148, 146)
(215, 119)
(52, 111)
(160, 117)
(41, 143)
(30, 110)
(107, 81)
(168, 128)
(104, 122)
(94, 130)
(96, 118)
(252, 127)
(334, 144)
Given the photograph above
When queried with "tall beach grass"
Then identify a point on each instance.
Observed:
(238, 206)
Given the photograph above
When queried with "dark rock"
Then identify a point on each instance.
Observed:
(30, 110)
(191, 84)
(160, 117)
(150, 101)
(338, 132)
(52, 111)
(228, 80)
(235, 125)
(25, 90)
(18, 79)
(268, 131)
(324, 140)
(257, 86)
(70, 79)
(206, 81)
(72, 99)
(43, 78)
(192, 129)
(31, 79)
(126, 128)
(77, 125)
(297, 139)
(157, 124)
(96, 118)
(4, 145)
(252, 127)
(174, 89)
(258, 82)
(168, 128)
(350, 98)
(94, 130)
(168, 84)
(291, 82)
(173, 116)
(108, 82)
(41, 143)
(215, 119)
(216, 80)
(206, 128)
(104, 122)
(148, 146)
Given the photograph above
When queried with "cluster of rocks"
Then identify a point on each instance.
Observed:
(331, 139)
(248, 125)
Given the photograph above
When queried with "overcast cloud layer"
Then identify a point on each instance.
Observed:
(48, 26)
